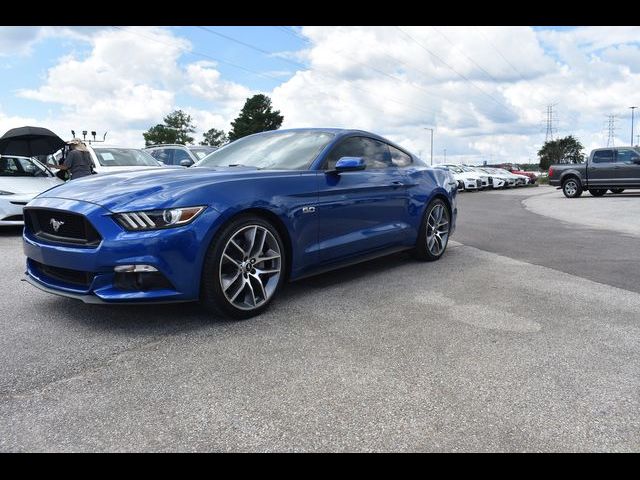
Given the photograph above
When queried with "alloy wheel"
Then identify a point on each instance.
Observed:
(437, 229)
(250, 267)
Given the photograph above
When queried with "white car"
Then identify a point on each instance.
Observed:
(499, 179)
(21, 179)
(486, 182)
(521, 180)
(107, 159)
(466, 180)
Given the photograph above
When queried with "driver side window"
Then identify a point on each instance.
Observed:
(375, 154)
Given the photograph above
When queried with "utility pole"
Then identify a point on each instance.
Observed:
(550, 129)
(431, 129)
(632, 109)
(445, 155)
(612, 129)
(637, 140)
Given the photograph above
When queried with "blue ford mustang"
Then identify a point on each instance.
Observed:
(267, 208)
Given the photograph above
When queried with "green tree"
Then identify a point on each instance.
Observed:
(214, 138)
(159, 134)
(562, 150)
(256, 116)
(176, 129)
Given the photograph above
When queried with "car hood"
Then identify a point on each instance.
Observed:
(25, 185)
(150, 189)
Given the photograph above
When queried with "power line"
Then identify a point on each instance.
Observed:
(465, 55)
(500, 53)
(199, 54)
(265, 52)
(454, 70)
(377, 70)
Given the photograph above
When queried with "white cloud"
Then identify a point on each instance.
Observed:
(395, 82)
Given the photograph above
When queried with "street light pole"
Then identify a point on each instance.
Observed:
(431, 143)
(445, 155)
(632, 109)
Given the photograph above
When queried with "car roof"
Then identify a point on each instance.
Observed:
(159, 145)
(114, 146)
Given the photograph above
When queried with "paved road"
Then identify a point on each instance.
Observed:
(488, 349)
(619, 212)
(497, 222)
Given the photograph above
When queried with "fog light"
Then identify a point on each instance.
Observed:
(134, 268)
(141, 281)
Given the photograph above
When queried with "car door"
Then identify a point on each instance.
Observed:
(360, 211)
(602, 168)
(628, 163)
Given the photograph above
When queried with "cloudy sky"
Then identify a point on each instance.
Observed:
(484, 90)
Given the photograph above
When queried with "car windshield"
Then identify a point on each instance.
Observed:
(124, 157)
(21, 167)
(287, 150)
(202, 152)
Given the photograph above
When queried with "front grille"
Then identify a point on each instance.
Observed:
(74, 277)
(479, 183)
(13, 218)
(71, 227)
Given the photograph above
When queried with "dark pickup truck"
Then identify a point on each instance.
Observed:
(612, 169)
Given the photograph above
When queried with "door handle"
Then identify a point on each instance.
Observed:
(397, 184)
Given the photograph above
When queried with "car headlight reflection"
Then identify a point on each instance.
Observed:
(157, 219)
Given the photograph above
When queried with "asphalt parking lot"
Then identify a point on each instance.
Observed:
(525, 336)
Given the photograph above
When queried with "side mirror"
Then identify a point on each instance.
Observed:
(350, 164)
(636, 161)
(186, 163)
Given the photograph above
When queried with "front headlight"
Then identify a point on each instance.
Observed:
(3, 192)
(156, 219)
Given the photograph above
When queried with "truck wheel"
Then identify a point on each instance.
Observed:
(597, 192)
(571, 188)
(616, 190)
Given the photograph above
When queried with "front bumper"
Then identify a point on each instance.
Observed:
(471, 184)
(176, 253)
(11, 208)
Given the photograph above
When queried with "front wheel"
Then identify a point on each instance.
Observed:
(571, 188)
(243, 269)
(616, 190)
(434, 231)
(597, 192)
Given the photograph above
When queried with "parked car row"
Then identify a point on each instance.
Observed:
(474, 178)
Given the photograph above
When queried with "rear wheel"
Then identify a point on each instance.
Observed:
(434, 231)
(243, 269)
(571, 187)
(597, 192)
(616, 190)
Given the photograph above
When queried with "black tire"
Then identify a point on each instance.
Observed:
(422, 250)
(571, 187)
(597, 192)
(212, 296)
(616, 190)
